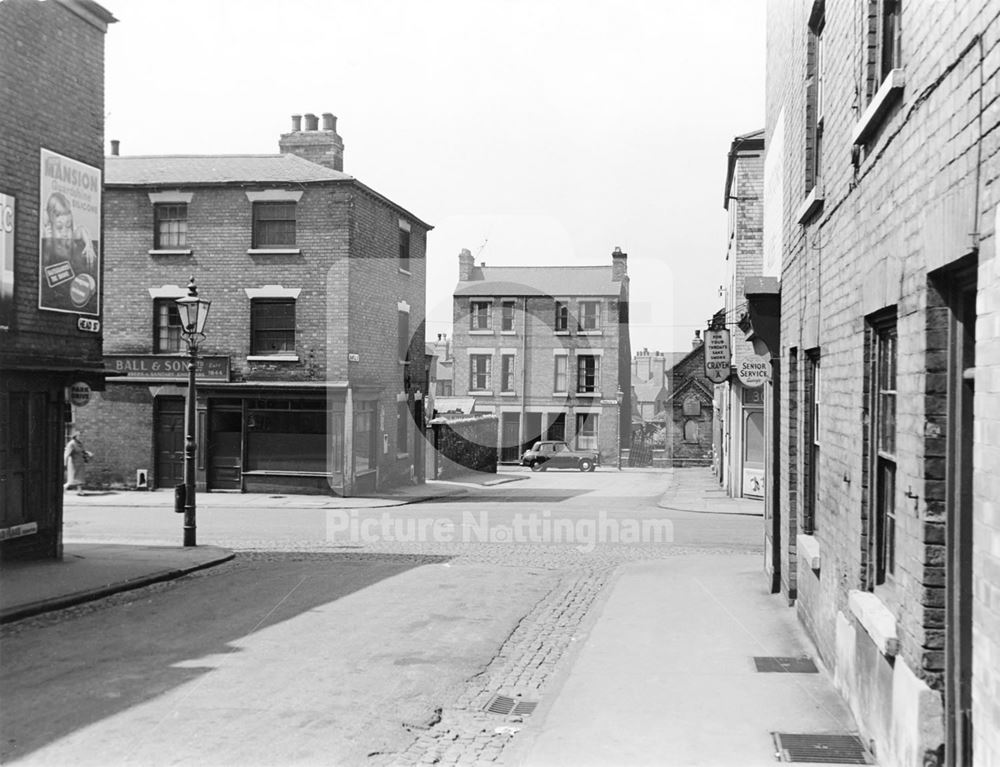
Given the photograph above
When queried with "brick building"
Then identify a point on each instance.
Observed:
(51, 137)
(547, 350)
(740, 444)
(880, 306)
(309, 273)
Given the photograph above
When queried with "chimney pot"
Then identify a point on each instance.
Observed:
(329, 121)
(619, 265)
(114, 147)
(465, 264)
(482, 264)
(312, 122)
(296, 123)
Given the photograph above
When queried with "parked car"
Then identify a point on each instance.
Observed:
(558, 455)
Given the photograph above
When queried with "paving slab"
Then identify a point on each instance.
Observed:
(698, 489)
(664, 674)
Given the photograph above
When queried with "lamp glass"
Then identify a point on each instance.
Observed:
(193, 313)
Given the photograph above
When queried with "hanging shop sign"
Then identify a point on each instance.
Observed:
(717, 355)
(6, 261)
(753, 371)
(79, 394)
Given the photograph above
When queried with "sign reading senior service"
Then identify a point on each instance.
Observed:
(69, 247)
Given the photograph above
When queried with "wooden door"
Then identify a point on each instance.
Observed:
(169, 442)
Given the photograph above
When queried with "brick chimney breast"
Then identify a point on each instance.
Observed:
(323, 147)
(465, 264)
(619, 265)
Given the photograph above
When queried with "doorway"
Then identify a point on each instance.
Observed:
(510, 442)
(169, 442)
(959, 291)
(225, 448)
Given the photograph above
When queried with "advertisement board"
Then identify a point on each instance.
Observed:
(69, 246)
(717, 355)
(6, 261)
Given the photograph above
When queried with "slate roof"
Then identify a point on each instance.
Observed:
(157, 170)
(539, 281)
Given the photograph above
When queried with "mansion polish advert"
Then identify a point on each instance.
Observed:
(69, 242)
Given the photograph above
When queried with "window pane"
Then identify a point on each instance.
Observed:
(560, 378)
(171, 225)
(274, 224)
(562, 316)
(404, 249)
(586, 431)
(166, 327)
(273, 326)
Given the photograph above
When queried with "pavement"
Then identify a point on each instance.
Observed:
(698, 489)
(660, 671)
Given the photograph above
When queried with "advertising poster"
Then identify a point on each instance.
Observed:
(69, 269)
(6, 262)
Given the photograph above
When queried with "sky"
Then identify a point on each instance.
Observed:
(532, 132)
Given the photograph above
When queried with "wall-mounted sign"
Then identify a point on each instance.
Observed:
(88, 324)
(753, 371)
(352, 357)
(162, 366)
(69, 237)
(6, 261)
(79, 394)
(19, 531)
(717, 355)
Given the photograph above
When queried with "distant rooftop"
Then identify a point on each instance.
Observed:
(539, 281)
(157, 170)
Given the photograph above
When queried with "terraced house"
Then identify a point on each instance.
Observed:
(880, 307)
(309, 271)
(546, 349)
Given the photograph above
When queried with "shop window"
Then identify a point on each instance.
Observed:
(365, 436)
(283, 435)
(586, 431)
(166, 326)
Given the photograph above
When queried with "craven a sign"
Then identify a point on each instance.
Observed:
(717, 355)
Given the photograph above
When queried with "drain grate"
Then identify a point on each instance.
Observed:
(821, 749)
(778, 664)
(502, 704)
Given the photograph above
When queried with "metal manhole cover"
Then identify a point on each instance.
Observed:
(502, 704)
(821, 749)
(778, 664)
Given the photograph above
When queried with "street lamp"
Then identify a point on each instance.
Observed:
(193, 312)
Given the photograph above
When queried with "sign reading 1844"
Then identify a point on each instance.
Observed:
(163, 366)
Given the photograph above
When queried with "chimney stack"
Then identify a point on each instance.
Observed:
(619, 265)
(696, 341)
(465, 264)
(323, 147)
(114, 147)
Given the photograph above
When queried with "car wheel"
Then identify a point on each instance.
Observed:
(536, 466)
(586, 465)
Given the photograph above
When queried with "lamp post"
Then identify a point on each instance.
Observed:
(193, 312)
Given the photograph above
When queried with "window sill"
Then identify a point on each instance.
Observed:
(481, 392)
(407, 272)
(891, 87)
(274, 251)
(562, 332)
(588, 394)
(401, 456)
(809, 551)
(480, 332)
(508, 332)
(171, 252)
(590, 332)
(876, 619)
(508, 394)
(812, 204)
(272, 358)
(560, 394)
